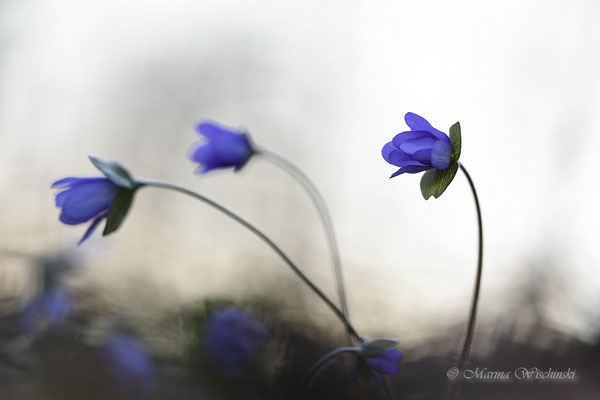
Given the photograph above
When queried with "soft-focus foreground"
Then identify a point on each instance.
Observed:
(68, 341)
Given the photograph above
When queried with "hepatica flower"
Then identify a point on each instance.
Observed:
(378, 356)
(222, 147)
(127, 360)
(425, 148)
(386, 363)
(233, 339)
(372, 357)
(83, 199)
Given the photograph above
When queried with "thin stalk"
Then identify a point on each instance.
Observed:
(473, 313)
(324, 215)
(264, 238)
(324, 360)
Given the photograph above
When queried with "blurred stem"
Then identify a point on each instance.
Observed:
(325, 217)
(324, 360)
(473, 313)
(264, 238)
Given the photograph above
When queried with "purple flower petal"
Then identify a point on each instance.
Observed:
(386, 363)
(92, 227)
(423, 156)
(414, 145)
(86, 199)
(410, 135)
(224, 147)
(68, 220)
(206, 157)
(393, 354)
(212, 130)
(441, 153)
(386, 150)
(73, 180)
(411, 169)
(418, 123)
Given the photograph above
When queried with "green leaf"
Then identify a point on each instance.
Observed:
(456, 140)
(115, 172)
(118, 210)
(376, 347)
(435, 181)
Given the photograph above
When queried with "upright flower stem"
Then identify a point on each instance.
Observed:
(324, 215)
(473, 313)
(264, 238)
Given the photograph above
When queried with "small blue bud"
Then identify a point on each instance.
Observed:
(223, 147)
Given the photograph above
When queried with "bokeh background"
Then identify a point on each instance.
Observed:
(325, 84)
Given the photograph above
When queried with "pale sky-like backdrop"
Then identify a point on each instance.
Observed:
(325, 84)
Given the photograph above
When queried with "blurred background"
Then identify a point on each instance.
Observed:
(324, 84)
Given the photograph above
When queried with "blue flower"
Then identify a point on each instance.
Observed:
(47, 309)
(83, 199)
(386, 363)
(223, 147)
(127, 360)
(420, 149)
(233, 338)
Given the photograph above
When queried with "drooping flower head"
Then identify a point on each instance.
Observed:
(378, 356)
(425, 148)
(222, 147)
(421, 148)
(386, 363)
(127, 360)
(233, 339)
(82, 199)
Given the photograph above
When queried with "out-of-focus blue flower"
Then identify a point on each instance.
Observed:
(386, 363)
(127, 360)
(420, 149)
(45, 310)
(83, 199)
(233, 338)
(223, 147)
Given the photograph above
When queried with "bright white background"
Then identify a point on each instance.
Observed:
(325, 84)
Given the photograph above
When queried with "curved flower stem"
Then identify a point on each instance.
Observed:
(324, 215)
(324, 360)
(473, 313)
(264, 238)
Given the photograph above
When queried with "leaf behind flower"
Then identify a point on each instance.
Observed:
(118, 210)
(435, 181)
